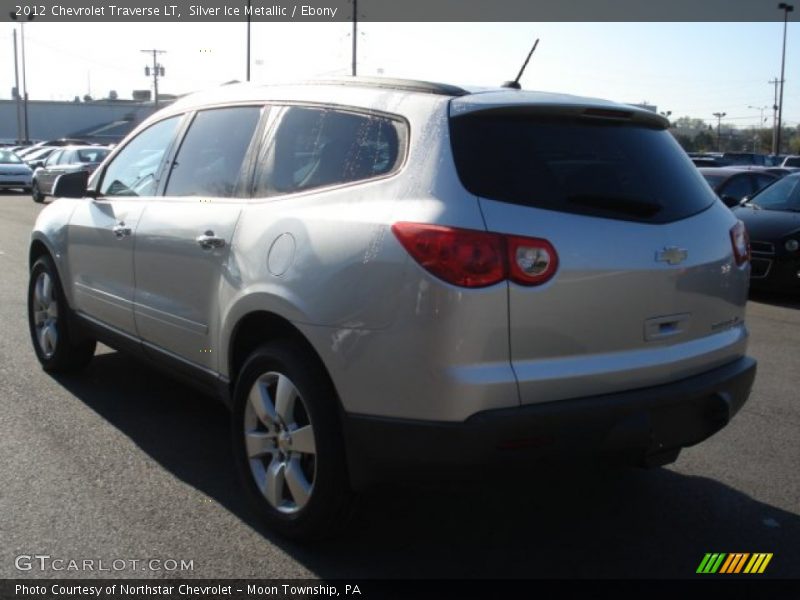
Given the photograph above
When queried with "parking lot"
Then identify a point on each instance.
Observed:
(122, 463)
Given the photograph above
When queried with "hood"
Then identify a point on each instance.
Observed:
(768, 224)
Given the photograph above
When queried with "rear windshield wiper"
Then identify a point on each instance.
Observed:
(618, 204)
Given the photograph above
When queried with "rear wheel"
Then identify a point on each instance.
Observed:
(288, 444)
(36, 193)
(57, 346)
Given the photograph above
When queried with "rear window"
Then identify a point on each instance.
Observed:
(92, 155)
(714, 180)
(597, 168)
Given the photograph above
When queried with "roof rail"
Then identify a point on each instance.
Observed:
(406, 85)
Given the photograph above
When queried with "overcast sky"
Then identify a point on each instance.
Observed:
(691, 69)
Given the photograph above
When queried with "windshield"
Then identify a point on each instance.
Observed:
(93, 155)
(9, 158)
(784, 194)
(39, 154)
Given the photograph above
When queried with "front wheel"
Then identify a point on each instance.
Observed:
(58, 348)
(36, 192)
(288, 443)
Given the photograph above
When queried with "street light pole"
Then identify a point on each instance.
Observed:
(719, 116)
(13, 16)
(355, 37)
(761, 110)
(786, 8)
(16, 91)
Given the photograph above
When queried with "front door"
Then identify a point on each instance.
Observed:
(102, 231)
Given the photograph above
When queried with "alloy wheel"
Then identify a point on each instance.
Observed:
(45, 314)
(280, 444)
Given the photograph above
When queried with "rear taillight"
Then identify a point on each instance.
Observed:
(474, 259)
(741, 243)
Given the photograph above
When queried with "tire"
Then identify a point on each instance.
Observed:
(58, 347)
(297, 483)
(36, 193)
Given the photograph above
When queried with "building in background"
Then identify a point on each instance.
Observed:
(102, 121)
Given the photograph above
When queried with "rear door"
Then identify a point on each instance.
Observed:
(644, 249)
(184, 237)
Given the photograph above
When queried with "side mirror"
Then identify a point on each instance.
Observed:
(71, 185)
(744, 201)
(36, 164)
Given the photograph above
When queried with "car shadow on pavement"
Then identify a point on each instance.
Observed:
(525, 523)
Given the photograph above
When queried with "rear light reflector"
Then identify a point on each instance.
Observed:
(531, 260)
(741, 243)
(474, 259)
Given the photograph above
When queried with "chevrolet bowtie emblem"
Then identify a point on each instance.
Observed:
(672, 255)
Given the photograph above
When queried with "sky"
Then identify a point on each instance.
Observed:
(690, 69)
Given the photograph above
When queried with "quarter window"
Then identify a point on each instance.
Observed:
(314, 147)
(210, 157)
(134, 171)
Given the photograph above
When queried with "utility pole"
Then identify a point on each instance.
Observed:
(157, 71)
(774, 83)
(355, 35)
(16, 91)
(786, 8)
(719, 116)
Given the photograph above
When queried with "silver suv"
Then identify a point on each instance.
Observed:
(376, 274)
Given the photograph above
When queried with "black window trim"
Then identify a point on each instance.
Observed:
(278, 110)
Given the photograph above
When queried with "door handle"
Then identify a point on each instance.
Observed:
(121, 230)
(208, 241)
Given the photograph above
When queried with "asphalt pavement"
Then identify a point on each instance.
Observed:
(123, 464)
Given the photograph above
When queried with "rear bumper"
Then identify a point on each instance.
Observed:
(640, 426)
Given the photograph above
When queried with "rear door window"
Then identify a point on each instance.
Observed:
(599, 168)
(209, 161)
(318, 147)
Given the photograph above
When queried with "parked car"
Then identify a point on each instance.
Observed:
(791, 161)
(381, 273)
(732, 184)
(772, 219)
(14, 174)
(65, 160)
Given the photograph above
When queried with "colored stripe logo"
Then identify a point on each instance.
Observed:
(734, 563)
